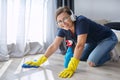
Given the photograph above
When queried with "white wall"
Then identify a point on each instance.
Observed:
(98, 9)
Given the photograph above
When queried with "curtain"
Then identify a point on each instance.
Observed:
(26, 27)
(69, 3)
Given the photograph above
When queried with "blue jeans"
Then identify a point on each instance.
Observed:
(99, 53)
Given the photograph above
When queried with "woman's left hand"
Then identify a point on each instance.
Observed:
(68, 72)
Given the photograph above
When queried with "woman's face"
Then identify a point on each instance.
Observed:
(64, 21)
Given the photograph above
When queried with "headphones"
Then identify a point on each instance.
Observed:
(72, 16)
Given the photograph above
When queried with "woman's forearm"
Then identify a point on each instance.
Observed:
(78, 51)
(51, 49)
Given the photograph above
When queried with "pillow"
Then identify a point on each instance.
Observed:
(113, 25)
(102, 21)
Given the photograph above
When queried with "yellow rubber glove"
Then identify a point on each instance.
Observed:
(40, 61)
(72, 66)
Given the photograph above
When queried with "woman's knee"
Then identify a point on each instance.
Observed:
(91, 64)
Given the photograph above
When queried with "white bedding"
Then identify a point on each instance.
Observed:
(117, 32)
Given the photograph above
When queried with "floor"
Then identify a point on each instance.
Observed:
(11, 70)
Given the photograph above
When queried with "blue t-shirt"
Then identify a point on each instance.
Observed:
(95, 32)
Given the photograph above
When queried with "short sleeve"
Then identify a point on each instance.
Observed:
(82, 26)
(61, 32)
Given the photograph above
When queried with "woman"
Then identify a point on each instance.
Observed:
(93, 42)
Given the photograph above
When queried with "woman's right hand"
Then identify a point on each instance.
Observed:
(38, 62)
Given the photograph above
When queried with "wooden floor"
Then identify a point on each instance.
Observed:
(11, 70)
